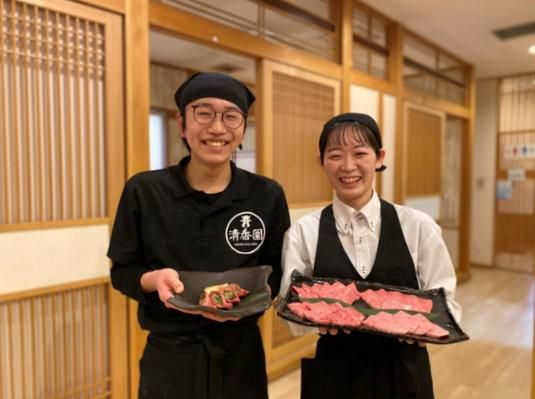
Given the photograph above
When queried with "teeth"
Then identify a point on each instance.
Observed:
(214, 143)
(350, 179)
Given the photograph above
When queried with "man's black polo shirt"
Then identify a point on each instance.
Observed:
(162, 222)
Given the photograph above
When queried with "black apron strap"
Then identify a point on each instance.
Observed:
(331, 259)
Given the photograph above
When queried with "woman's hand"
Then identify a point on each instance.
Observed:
(412, 341)
(332, 331)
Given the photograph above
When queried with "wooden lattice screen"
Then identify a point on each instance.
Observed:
(300, 108)
(55, 345)
(52, 147)
(424, 137)
(515, 174)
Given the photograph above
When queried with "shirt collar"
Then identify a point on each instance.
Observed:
(238, 187)
(345, 215)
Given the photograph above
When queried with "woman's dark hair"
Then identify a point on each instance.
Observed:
(342, 132)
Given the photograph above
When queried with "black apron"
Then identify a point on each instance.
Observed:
(360, 365)
(219, 365)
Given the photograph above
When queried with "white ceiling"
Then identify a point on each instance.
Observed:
(462, 27)
(173, 51)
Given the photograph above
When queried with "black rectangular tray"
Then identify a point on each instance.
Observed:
(440, 314)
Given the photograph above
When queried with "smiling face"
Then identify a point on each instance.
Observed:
(350, 162)
(211, 144)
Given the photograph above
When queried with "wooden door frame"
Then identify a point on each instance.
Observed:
(463, 242)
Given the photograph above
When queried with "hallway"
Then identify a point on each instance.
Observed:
(496, 362)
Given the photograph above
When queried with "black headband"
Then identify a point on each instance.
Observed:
(363, 119)
(214, 84)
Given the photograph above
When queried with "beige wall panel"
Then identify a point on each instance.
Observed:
(43, 258)
(389, 144)
(163, 83)
(484, 172)
(451, 172)
(364, 100)
(451, 238)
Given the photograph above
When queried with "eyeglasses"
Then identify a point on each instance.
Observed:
(205, 115)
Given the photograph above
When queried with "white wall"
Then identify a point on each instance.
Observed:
(366, 101)
(389, 144)
(39, 258)
(484, 173)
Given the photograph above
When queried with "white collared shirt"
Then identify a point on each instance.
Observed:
(359, 233)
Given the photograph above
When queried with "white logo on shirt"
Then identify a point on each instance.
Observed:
(245, 233)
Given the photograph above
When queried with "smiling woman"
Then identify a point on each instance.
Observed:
(364, 238)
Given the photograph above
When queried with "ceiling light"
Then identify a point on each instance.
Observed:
(532, 49)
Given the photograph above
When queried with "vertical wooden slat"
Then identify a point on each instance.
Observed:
(22, 355)
(64, 339)
(25, 91)
(53, 346)
(3, 137)
(78, 126)
(99, 212)
(13, 132)
(83, 340)
(33, 331)
(69, 178)
(92, 337)
(10, 355)
(75, 343)
(88, 133)
(3, 325)
(103, 353)
(48, 147)
(36, 126)
(59, 130)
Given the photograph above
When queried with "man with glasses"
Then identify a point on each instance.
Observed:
(194, 217)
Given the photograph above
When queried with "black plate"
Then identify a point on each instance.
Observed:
(441, 314)
(253, 279)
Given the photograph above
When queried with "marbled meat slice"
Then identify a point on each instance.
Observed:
(337, 290)
(401, 323)
(382, 299)
(327, 314)
(222, 296)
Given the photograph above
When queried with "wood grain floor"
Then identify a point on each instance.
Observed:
(496, 362)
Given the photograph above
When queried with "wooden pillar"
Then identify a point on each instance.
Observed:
(463, 272)
(137, 139)
(346, 51)
(395, 73)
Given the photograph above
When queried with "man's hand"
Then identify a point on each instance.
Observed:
(165, 281)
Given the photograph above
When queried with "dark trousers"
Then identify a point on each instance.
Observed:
(362, 366)
(218, 366)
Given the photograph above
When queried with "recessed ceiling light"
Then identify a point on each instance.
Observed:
(532, 49)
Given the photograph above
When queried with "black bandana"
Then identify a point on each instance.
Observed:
(214, 84)
(363, 119)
